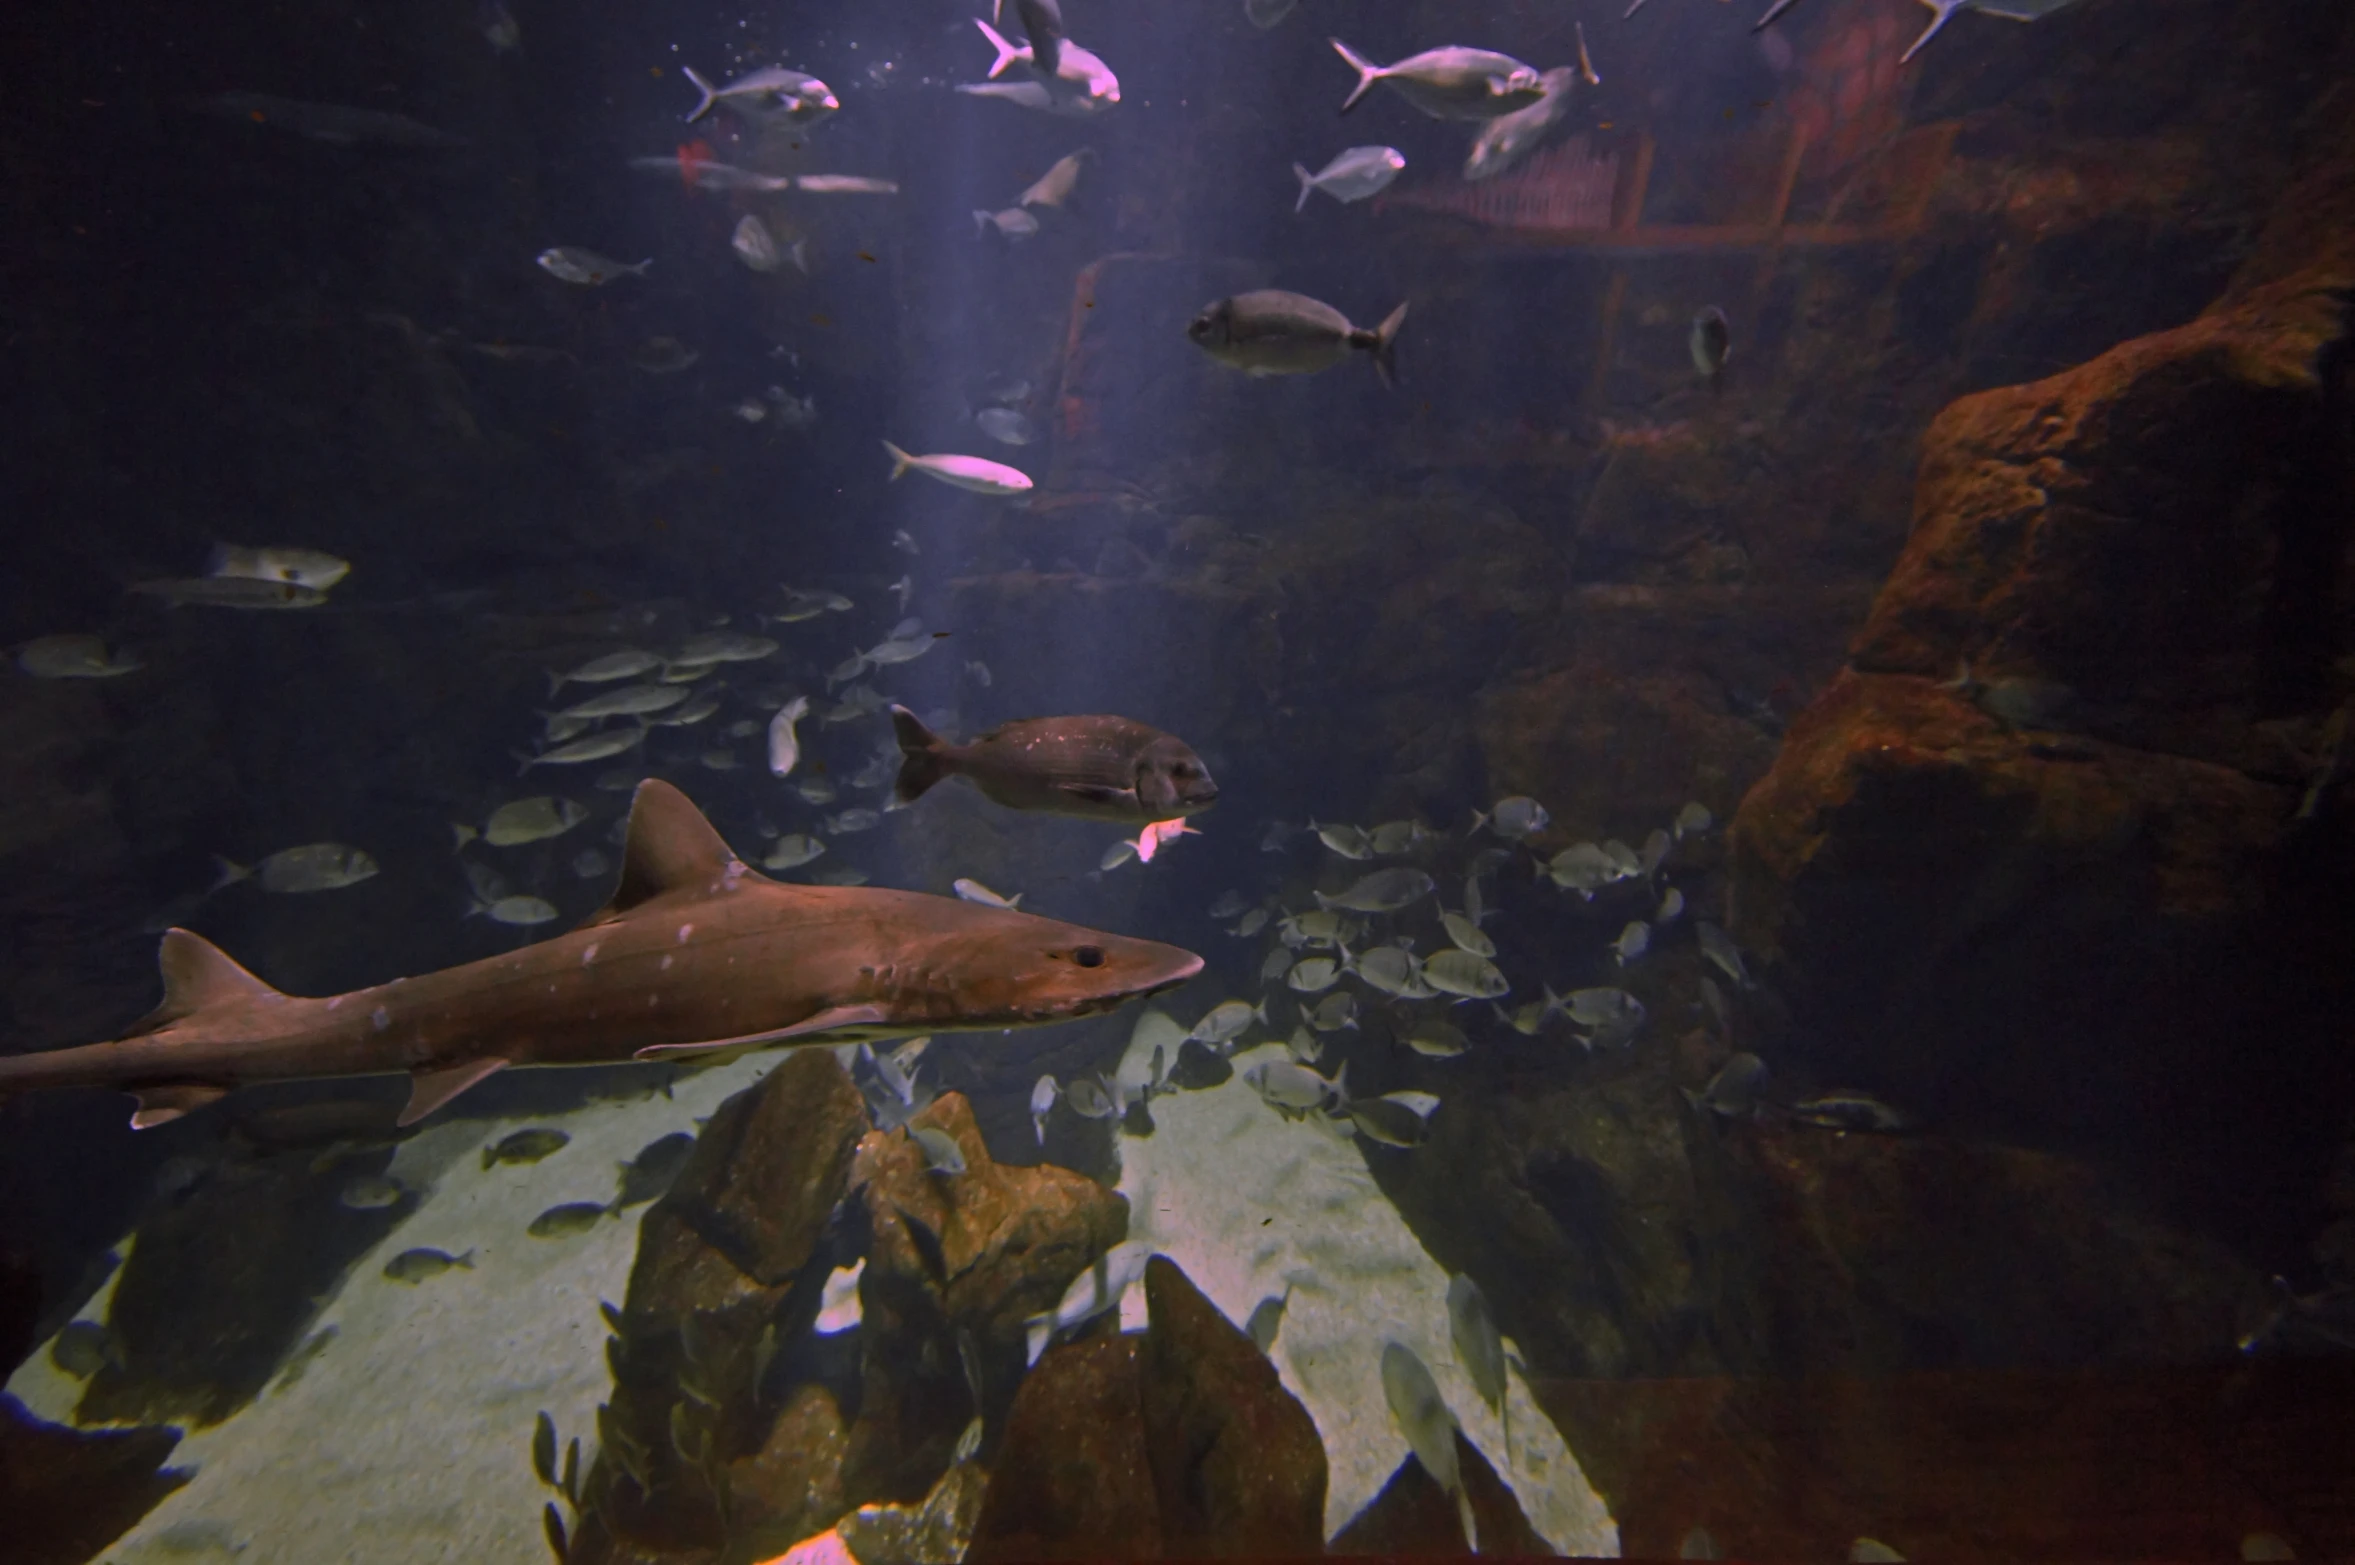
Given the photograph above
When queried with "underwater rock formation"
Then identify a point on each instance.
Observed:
(66, 1494)
(1180, 1442)
(968, 1256)
(1414, 1517)
(697, 1440)
(2096, 866)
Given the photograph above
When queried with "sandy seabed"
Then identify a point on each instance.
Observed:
(406, 1439)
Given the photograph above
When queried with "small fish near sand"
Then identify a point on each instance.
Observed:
(415, 1266)
(942, 1155)
(372, 1193)
(1273, 332)
(83, 1348)
(1423, 1417)
(525, 1147)
(573, 1217)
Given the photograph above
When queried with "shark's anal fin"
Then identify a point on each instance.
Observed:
(670, 846)
(430, 1089)
(833, 1019)
(162, 1105)
(197, 975)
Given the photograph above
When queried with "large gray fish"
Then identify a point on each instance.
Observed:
(1453, 83)
(1104, 768)
(695, 955)
(773, 93)
(1271, 332)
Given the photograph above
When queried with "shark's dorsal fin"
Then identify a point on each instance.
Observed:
(670, 847)
(197, 974)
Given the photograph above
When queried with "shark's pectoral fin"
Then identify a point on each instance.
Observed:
(670, 847)
(196, 974)
(431, 1088)
(833, 1019)
(162, 1105)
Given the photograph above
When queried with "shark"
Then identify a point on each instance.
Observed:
(697, 957)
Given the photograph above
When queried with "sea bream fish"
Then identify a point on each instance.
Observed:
(1097, 767)
(695, 955)
(1272, 332)
(976, 473)
(1452, 83)
(774, 93)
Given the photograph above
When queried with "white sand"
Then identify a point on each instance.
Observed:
(1247, 1202)
(408, 1439)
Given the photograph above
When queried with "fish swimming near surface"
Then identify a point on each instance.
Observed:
(414, 1266)
(1272, 332)
(1100, 768)
(1451, 83)
(978, 474)
(771, 94)
(695, 955)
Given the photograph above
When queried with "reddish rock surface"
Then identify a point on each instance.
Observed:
(1073, 1480)
(65, 1494)
(1237, 1465)
(1413, 1517)
(1180, 1443)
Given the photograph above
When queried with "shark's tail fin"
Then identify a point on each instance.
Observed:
(1008, 53)
(1368, 73)
(711, 95)
(922, 762)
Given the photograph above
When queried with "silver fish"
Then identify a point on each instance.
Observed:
(791, 852)
(1451, 83)
(1352, 175)
(1479, 1349)
(315, 866)
(975, 891)
(1734, 1090)
(942, 1155)
(1462, 973)
(1633, 941)
(1013, 225)
(604, 670)
(73, 657)
(1422, 1416)
(278, 562)
(1384, 891)
(1517, 817)
(1719, 948)
(769, 94)
(1272, 332)
(586, 268)
(1508, 138)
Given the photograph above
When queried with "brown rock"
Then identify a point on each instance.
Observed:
(65, 1494)
(1073, 1480)
(730, 1265)
(1006, 1242)
(1237, 1465)
(1414, 1517)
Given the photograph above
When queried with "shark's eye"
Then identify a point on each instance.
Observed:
(1089, 956)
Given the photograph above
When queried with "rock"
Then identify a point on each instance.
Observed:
(974, 1254)
(2074, 883)
(1073, 1479)
(69, 1493)
(938, 1530)
(1237, 1465)
(1414, 1517)
(727, 1280)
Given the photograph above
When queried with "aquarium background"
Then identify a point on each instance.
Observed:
(1994, 607)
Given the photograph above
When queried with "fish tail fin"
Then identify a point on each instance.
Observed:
(1308, 182)
(1367, 73)
(1015, 900)
(900, 461)
(230, 873)
(922, 762)
(466, 1260)
(1386, 345)
(1479, 819)
(555, 683)
(1586, 68)
(711, 94)
(1036, 1332)
(1007, 53)
(464, 833)
(980, 231)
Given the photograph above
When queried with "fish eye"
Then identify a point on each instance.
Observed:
(1088, 956)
